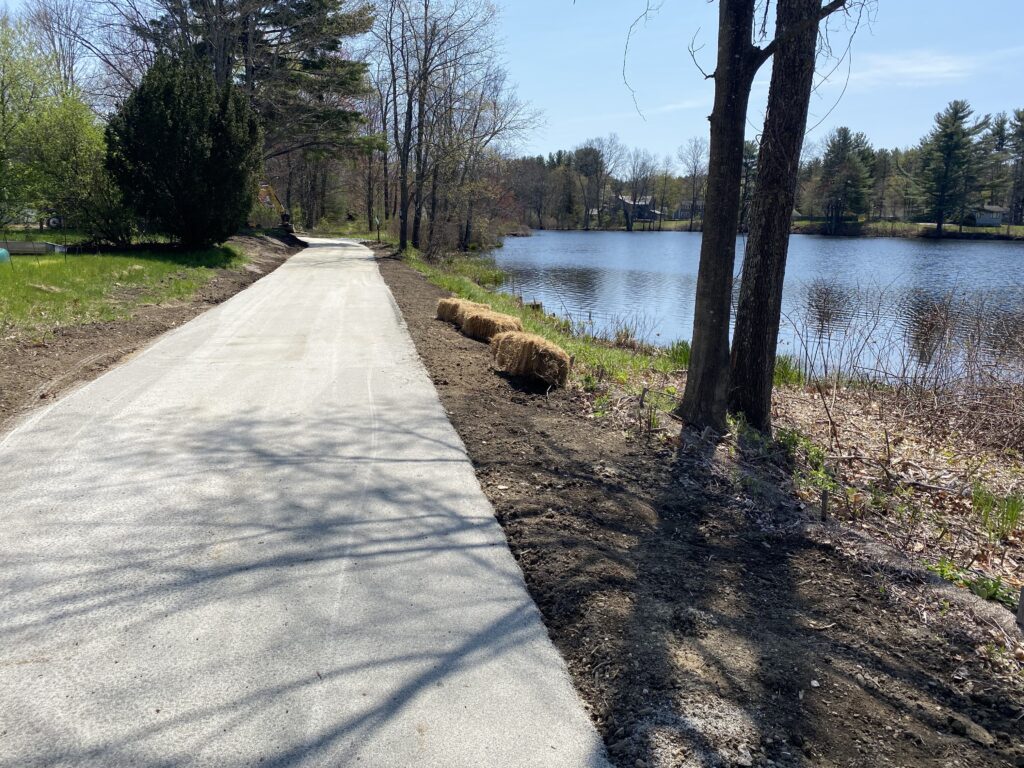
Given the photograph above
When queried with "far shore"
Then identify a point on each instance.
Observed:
(803, 227)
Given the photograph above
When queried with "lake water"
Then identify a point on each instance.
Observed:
(858, 299)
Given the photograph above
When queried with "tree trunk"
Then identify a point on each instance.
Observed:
(704, 401)
(467, 232)
(764, 266)
(369, 191)
(431, 235)
(693, 202)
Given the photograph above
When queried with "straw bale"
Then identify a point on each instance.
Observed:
(454, 310)
(447, 309)
(484, 324)
(526, 354)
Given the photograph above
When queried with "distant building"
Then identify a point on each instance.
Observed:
(642, 210)
(989, 215)
(689, 209)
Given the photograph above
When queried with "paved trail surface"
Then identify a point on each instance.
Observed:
(260, 542)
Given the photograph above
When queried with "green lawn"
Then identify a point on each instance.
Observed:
(71, 237)
(41, 294)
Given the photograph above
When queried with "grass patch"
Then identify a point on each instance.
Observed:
(983, 586)
(482, 270)
(41, 294)
(999, 515)
(71, 236)
(788, 372)
(813, 470)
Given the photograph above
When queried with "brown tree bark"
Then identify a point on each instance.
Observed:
(760, 306)
(704, 400)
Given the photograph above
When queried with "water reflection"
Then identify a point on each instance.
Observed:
(829, 304)
(882, 303)
(928, 320)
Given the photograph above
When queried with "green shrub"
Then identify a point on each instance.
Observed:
(184, 155)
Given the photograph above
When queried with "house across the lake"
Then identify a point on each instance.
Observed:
(989, 215)
(642, 210)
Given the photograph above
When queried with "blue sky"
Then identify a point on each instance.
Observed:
(904, 66)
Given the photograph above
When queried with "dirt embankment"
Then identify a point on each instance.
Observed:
(34, 371)
(705, 622)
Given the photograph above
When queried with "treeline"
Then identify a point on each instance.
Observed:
(127, 120)
(963, 164)
(440, 115)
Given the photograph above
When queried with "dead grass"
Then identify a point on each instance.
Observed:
(526, 354)
(484, 324)
(456, 310)
(905, 485)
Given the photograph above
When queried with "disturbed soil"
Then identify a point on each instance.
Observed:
(706, 620)
(33, 371)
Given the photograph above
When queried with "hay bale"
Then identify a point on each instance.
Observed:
(455, 310)
(447, 309)
(526, 354)
(484, 324)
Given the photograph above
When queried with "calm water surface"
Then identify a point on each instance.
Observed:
(839, 291)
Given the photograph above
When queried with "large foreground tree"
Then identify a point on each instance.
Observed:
(707, 383)
(764, 264)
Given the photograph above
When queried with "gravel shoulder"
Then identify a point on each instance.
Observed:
(704, 619)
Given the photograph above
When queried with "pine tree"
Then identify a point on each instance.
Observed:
(845, 175)
(949, 162)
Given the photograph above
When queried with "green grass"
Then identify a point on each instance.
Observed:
(999, 515)
(482, 270)
(57, 236)
(40, 294)
(816, 472)
(983, 586)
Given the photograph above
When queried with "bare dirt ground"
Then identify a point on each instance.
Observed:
(34, 371)
(706, 621)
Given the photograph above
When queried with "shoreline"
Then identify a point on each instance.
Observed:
(870, 233)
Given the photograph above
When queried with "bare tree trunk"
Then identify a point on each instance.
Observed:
(704, 401)
(760, 307)
(431, 235)
(369, 191)
(693, 201)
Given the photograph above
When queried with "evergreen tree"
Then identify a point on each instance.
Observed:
(185, 153)
(845, 175)
(1016, 150)
(950, 166)
(285, 55)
